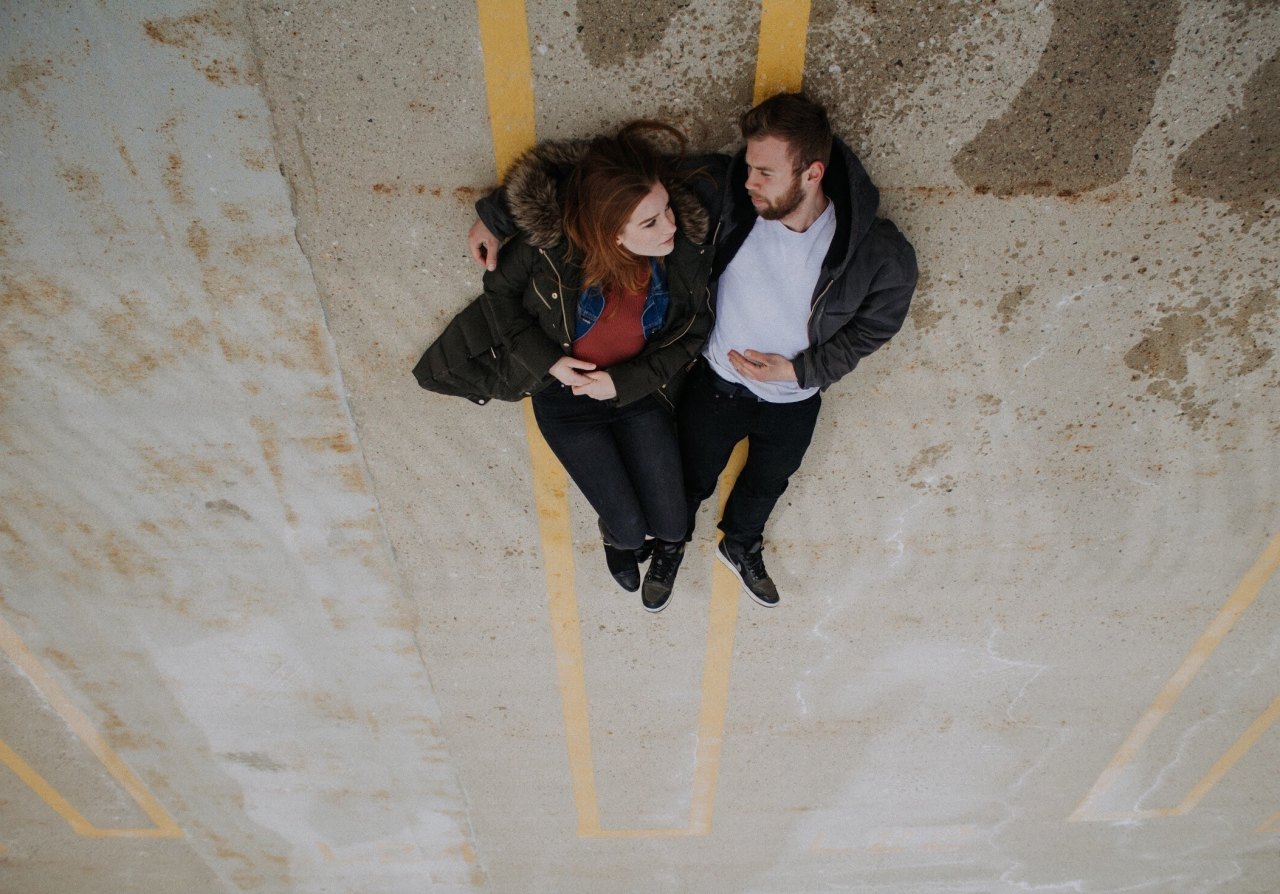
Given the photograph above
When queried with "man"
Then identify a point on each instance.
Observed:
(808, 282)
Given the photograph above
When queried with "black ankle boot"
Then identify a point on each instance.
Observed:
(622, 564)
(661, 577)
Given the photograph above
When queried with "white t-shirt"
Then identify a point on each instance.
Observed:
(763, 300)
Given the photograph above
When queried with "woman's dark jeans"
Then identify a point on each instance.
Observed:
(625, 460)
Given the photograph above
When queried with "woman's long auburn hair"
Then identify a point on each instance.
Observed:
(612, 178)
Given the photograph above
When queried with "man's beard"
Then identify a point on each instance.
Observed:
(786, 203)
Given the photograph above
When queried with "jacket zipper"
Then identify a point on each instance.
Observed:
(564, 311)
(707, 291)
(816, 302)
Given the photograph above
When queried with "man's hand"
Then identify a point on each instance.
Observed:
(601, 386)
(483, 245)
(569, 370)
(763, 367)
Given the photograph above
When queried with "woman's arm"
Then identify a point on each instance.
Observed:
(514, 324)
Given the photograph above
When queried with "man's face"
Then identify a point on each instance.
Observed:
(773, 183)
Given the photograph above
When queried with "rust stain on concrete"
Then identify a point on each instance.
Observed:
(171, 176)
(82, 180)
(189, 34)
(269, 440)
(123, 151)
(126, 355)
(21, 77)
(353, 478)
(1235, 161)
(38, 296)
(1074, 125)
(254, 159)
(235, 213)
(339, 442)
(198, 241)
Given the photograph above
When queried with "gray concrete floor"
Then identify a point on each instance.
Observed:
(275, 620)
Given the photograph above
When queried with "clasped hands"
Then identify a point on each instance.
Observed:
(583, 378)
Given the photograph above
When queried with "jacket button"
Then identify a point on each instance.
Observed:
(554, 295)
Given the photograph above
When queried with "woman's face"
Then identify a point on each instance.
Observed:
(651, 231)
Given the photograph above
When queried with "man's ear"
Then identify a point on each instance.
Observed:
(813, 173)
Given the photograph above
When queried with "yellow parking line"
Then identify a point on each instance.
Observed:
(508, 77)
(1245, 593)
(1216, 773)
(27, 662)
(509, 85)
(725, 596)
(784, 27)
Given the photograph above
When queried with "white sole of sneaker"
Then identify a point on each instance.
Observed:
(724, 560)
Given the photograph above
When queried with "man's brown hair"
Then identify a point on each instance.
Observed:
(795, 119)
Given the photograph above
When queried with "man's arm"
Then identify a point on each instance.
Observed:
(878, 318)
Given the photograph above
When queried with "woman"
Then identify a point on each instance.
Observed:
(601, 302)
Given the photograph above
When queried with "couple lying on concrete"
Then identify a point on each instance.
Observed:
(659, 308)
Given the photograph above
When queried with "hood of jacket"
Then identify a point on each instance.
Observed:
(847, 185)
(535, 194)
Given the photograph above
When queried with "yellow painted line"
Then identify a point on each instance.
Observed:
(1269, 826)
(508, 78)
(27, 662)
(784, 28)
(509, 85)
(1219, 770)
(550, 489)
(1245, 593)
(726, 593)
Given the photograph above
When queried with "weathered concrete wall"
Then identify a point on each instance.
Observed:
(305, 602)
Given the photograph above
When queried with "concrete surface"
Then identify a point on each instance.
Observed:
(276, 620)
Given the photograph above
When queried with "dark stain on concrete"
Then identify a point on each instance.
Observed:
(924, 460)
(1224, 335)
(613, 32)
(1010, 305)
(227, 507)
(862, 53)
(1073, 126)
(924, 312)
(1235, 161)
(255, 760)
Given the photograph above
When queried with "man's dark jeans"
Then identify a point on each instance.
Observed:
(713, 416)
(623, 459)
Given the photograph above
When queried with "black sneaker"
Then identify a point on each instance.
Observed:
(747, 566)
(622, 564)
(661, 577)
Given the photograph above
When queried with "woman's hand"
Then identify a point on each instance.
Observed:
(600, 386)
(569, 371)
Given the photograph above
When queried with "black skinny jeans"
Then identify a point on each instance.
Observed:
(624, 460)
(713, 416)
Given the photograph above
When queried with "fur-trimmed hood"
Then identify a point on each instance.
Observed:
(534, 188)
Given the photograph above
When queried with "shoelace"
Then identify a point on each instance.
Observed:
(754, 563)
(663, 568)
